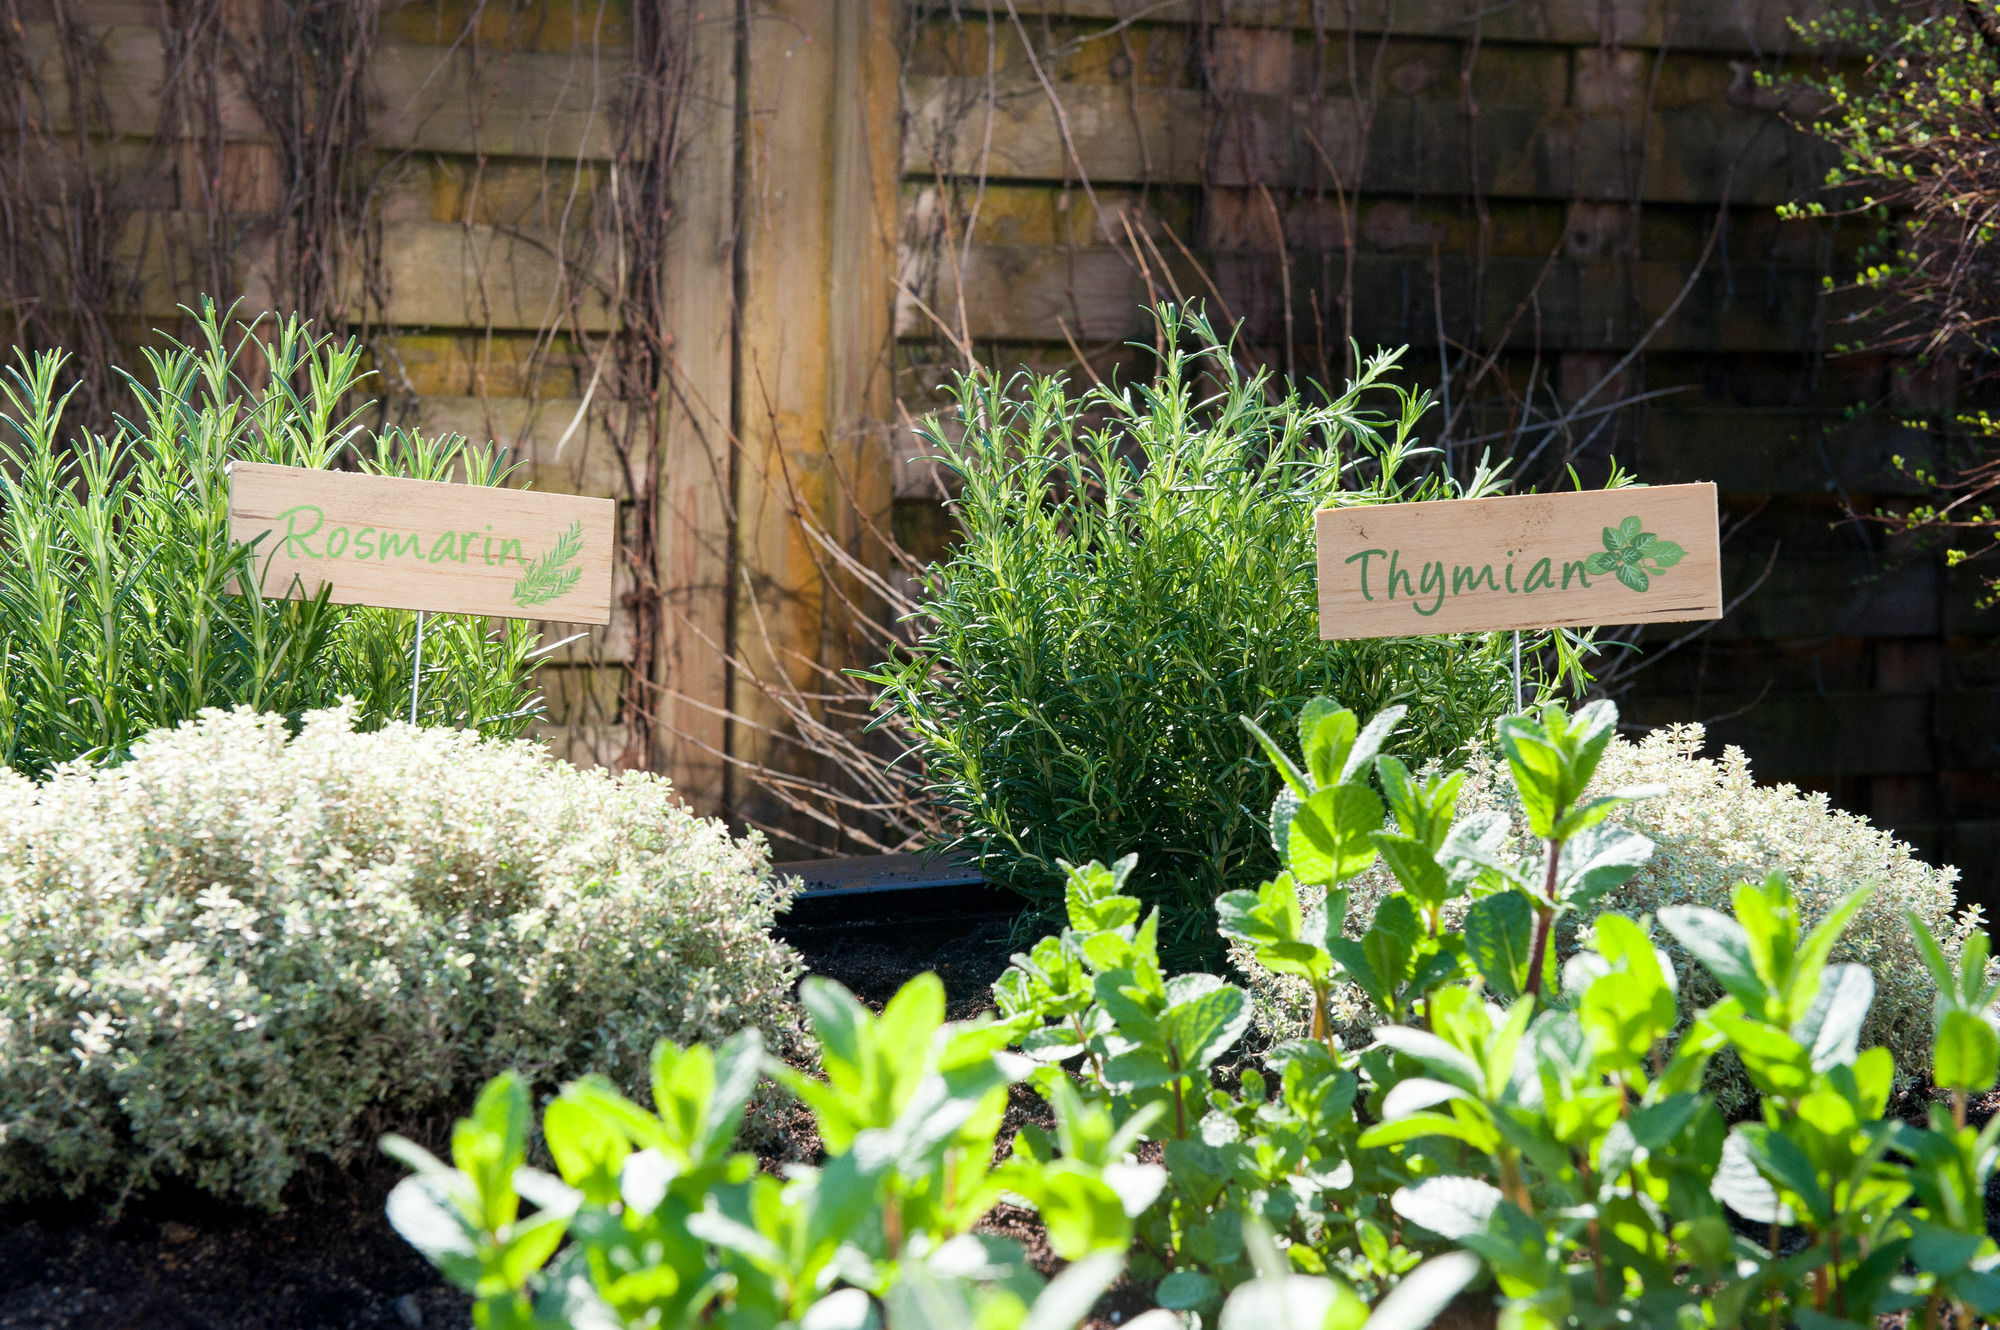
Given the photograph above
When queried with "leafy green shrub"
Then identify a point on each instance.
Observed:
(236, 951)
(1546, 1119)
(117, 610)
(1712, 828)
(1124, 590)
(668, 1229)
(671, 1228)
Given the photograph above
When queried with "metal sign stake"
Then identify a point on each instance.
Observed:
(417, 668)
(1517, 671)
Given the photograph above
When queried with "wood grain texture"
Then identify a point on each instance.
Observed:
(1020, 292)
(425, 545)
(435, 274)
(444, 274)
(565, 445)
(422, 98)
(813, 361)
(696, 513)
(1521, 561)
(1756, 26)
(554, 105)
(1179, 136)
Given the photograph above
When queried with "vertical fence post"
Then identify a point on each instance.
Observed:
(816, 259)
(696, 508)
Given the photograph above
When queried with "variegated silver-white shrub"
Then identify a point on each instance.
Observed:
(1713, 828)
(239, 950)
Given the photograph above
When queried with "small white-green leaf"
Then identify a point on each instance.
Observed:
(1738, 1185)
(1292, 1302)
(1450, 1207)
(1421, 1295)
(842, 1309)
(1831, 1027)
(1720, 945)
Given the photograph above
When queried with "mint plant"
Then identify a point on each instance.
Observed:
(667, 1225)
(1543, 1126)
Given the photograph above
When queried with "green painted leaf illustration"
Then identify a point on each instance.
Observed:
(549, 577)
(1632, 552)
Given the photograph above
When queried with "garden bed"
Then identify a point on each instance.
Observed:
(181, 1261)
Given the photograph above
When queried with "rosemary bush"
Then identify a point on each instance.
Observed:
(117, 605)
(240, 950)
(1136, 571)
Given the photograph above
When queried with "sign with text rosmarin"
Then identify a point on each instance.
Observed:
(1638, 555)
(425, 545)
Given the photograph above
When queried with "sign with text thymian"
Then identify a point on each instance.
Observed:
(1638, 555)
(425, 545)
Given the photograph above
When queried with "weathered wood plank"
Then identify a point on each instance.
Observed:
(1815, 597)
(1777, 451)
(1757, 27)
(421, 98)
(1032, 292)
(1694, 154)
(533, 430)
(433, 274)
(1794, 736)
(584, 745)
(1156, 134)
(813, 382)
(495, 104)
(442, 274)
(580, 697)
(696, 509)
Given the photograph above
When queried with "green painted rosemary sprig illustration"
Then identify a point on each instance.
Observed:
(549, 577)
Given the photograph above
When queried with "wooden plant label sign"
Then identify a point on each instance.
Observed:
(425, 545)
(1641, 555)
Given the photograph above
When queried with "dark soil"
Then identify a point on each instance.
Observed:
(183, 1262)
(329, 1260)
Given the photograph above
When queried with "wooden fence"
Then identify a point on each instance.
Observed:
(1564, 207)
